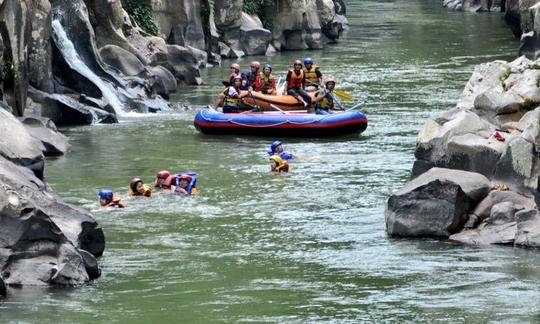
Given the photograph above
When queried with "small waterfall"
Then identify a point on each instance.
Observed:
(76, 63)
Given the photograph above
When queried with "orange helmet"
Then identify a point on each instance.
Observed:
(163, 174)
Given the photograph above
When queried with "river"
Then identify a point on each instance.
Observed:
(308, 247)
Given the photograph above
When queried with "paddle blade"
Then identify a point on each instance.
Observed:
(344, 95)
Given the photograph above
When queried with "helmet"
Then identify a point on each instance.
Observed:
(237, 77)
(274, 145)
(133, 184)
(268, 66)
(282, 165)
(105, 194)
(186, 177)
(297, 62)
(163, 174)
(256, 64)
(308, 60)
(330, 79)
(235, 66)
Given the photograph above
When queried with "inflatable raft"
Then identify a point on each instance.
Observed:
(210, 121)
(264, 102)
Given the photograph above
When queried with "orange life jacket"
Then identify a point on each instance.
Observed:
(266, 82)
(116, 203)
(296, 81)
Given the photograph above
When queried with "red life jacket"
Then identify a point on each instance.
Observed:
(296, 81)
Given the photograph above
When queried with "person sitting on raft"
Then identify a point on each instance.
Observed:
(325, 98)
(235, 71)
(186, 184)
(107, 199)
(266, 81)
(296, 83)
(233, 97)
(312, 74)
(277, 164)
(276, 148)
(138, 188)
(251, 76)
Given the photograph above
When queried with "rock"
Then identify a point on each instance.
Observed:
(503, 213)
(3, 291)
(492, 103)
(43, 129)
(490, 234)
(121, 60)
(527, 119)
(165, 82)
(484, 209)
(516, 161)
(41, 235)
(18, 146)
(486, 77)
(435, 204)
(184, 65)
(90, 264)
(530, 45)
(253, 36)
(199, 55)
(528, 228)
(270, 51)
(459, 129)
(149, 105)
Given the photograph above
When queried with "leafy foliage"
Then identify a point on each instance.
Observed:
(142, 14)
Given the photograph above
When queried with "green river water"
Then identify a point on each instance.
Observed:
(308, 247)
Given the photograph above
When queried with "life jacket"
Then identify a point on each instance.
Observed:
(282, 165)
(192, 185)
(266, 82)
(147, 191)
(251, 78)
(230, 101)
(296, 81)
(311, 74)
(116, 202)
(327, 102)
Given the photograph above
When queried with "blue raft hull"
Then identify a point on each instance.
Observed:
(209, 121)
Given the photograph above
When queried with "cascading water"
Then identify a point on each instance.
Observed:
(66, 47)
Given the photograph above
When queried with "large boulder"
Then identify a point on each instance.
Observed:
(528, 228)
(297, 25)
(164, 81)
(39, 56)
(3, 291)
(484, 209)
(121, 60)
(18, 146)
(253, 36)
(435, 204)
(503, 234)
(184, 65)
(45, 130)
(41, 235)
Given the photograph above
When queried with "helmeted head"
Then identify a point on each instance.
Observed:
(235, 67)
(308, 61)
(277, 164)
(297, 65)
(267, 68)
(105, 196)
(136, 185)
(330, 83)
(161, 176)
(276, 147)
(237, 80)
(255, 65)
(185, 179)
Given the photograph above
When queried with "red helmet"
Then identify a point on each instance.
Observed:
(163, 174)
(297, 62)
(235, 66)
(255, 64)
(237, 77)
(133, 184)
(186, 177)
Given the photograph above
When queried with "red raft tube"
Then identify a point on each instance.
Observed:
(280, 123)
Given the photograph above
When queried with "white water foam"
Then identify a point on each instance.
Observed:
(76, 63)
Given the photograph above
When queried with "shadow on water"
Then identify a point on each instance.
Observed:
(307, 247)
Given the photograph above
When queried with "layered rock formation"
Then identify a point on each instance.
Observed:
(493, 136)
(43, 241)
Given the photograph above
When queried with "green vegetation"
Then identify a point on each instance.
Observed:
(8, 72)
(142, 14)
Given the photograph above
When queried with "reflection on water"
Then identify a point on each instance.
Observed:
(308, 247)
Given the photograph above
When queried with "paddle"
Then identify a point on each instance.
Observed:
(278, 109)
(355, 106)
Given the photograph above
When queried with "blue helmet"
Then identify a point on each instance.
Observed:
(308, 60)
(267, 66)
(105, 194)
(274, 145)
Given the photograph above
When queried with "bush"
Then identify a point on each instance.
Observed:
(142, 14)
